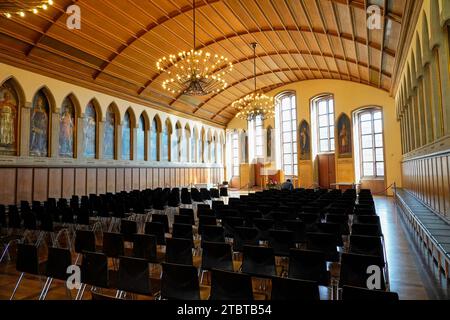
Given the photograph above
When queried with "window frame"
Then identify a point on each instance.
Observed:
(235, 161)
(330, 127)
(293, 153)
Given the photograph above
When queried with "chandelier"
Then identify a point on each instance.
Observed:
(256, 104)
(194, 72)
(10, 8)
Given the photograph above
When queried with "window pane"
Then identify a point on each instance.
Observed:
(286, 126)
(287, 159)
(323, 133)
(377, 115)
(287, 148)
(379, 154)
(324, 146)
(323, 121)
(288, 170)
(367, 155)
(331, 106)
(259, 151)
(368, 169)
(331, 119)
(367, 142)
(378, 126)
(366, 116)
(332, 147)
(378, 140)
(286, 115)
(287, 137)
(380, 169)
(332, 132)
(323, 107)
(366, 127)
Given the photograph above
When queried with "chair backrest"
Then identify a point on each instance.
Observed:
(244, 236)
(183, 219)
(354, 270)
(84, 241)
(259, 261)
(128, 229)
(182, 231)
(298, 228)
(134, 276)
(281, 241)
(372, 219)
(308, 265)
(161, 218)
(227, 285)
(179, 251)
(325, 242)
(217, 255)
(354, 293)
(179, 282)
(94, 269)
(367, 245)
(213, 234)
(27, 260)
(113, 245)
(205, 221)
(293, 289)
(372, 230)
(57, 263)
(156, 229)
(145, 247)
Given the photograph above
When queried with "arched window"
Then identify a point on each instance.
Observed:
(39, 125)
(187, 144)
(90, 132)
(67, 127)
(370, 140)
(154, 140)
(213, 150)
(176, 144)
(235, 154)
(9, 115)
(126, 137)
(165, 140)
(141, 139)
(286, 114)
(256, 126)
(323, 109)
(109, 137)
(193, 146)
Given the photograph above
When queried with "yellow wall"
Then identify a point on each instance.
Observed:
(348, 97)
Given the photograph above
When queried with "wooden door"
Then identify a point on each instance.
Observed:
(327, 171)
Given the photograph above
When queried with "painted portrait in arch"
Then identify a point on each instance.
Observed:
(126, 137)
(67, 129)
(154, 141)
(344, 136)
(140, 139)
(165, 143)
(9, 110)
(109, 135)
(305, 141)
(90, 132)
(39, 124)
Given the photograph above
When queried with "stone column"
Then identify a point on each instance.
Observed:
(80, 138)
(25, 115)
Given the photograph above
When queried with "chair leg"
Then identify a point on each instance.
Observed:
(17, 286)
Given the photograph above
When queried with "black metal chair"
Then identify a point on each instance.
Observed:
(179, 251)
(189, 212)
(360, 219)
(214, 193)
(58, 262)
(128, 229)
(308, 265)
(324, 242)
(205, 221)
(185, 196)
(259, 261)
(331, 228)
(227, 285)
(244, 236)
(145, 247)
(133, 276)
(367, 245)
(113, 245)
(354, 268)
(84, 241)
(372, 230)
(263, 226)
(179, 282)
(156, 229)
(362, 294)
(216, 255)
(223, 192)
(298, 228)
(183, 231)
(177, 219)
(293, 289)
(213, 234)
(163, 219)
(281, 241)
(94, 272)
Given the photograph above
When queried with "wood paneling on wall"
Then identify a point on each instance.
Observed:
(41, 183)
(428, 178)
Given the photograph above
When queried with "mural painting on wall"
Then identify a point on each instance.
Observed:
(9, 103)
(305, 141)
(154, 141)
(126, 137)
(269, 142)
(344, 137)
(90, 131)
(66, 129)
(141, 139)
(39, 126)
(109, 133)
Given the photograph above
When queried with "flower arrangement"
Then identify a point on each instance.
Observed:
(272, 184)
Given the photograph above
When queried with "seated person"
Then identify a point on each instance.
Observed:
(287, 185)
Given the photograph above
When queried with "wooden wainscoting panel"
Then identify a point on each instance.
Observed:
(173, 177)
(128, 178)
(40, 184)
(80, 181)
(25, 184)
(155, 177)
(120, 176)
(101, 181)
(445, 160)
(55, 183)
(135, 181)
(142, 178)
(91, 181)
(149, 178)
(166, 177)
(68, 183)
(8, 190)
(111, 180)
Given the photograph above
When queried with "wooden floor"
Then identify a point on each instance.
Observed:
(413, 273)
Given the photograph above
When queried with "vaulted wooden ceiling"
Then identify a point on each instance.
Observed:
(120, 41)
